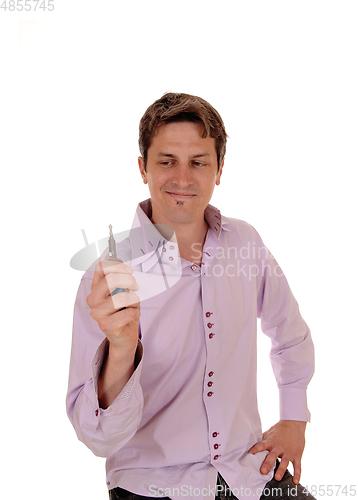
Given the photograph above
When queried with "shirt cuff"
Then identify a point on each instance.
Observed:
(97, 364)
(293, 404)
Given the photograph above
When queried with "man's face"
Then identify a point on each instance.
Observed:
(182, 172)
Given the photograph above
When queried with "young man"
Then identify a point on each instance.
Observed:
(163, 376)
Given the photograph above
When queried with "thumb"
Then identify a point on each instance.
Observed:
(98, 273)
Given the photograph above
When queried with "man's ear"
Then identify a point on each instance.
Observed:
(142, 171)
(218, 175)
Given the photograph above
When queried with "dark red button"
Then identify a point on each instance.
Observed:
(211, 335)
(211, 374)
(96, 413)
(208, 315)
(210, 394)
(210, 384)
(216, 446)
(216, 457)
(215, 434)
(210, 325)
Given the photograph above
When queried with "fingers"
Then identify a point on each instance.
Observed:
(117, 315)
(114, 281)
(118, 318)
(114, 303)
(115, 266)
(113, 324)
(97, 275)
(281, 469)
(107, 284)
(121, 300)
(284, 440)
(104, 267)
(297, 471)
(260, 446)
(268, 462)
(271, 458)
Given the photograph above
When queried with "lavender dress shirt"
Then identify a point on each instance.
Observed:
(190, 408)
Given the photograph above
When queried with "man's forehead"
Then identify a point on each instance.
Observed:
(173, 128)
(179, 134)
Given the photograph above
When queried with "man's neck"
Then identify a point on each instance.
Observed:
(190, 238)
(191, 241)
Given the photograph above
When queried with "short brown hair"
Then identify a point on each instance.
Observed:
(174, 107)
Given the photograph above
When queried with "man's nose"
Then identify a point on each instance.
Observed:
(183, 174)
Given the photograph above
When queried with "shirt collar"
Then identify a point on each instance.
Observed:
(148, 244)
(215, 220)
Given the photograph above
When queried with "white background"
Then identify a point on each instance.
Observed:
(75, 84)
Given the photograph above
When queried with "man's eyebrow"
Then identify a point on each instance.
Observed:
(166, 154)
(200, 155)
(169, 155)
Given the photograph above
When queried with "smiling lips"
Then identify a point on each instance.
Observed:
(181, 195)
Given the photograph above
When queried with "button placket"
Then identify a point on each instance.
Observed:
(211, 334)
(215, 444)
(210, 329)
(169, 251)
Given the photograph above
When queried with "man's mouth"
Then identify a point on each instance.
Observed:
(183, 196)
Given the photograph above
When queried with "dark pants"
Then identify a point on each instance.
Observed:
(274, 490)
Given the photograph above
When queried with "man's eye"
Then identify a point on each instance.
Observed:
(198, 164)
(165, 163)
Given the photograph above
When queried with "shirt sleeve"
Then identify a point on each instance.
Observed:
(292, 350)
(103, 431)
